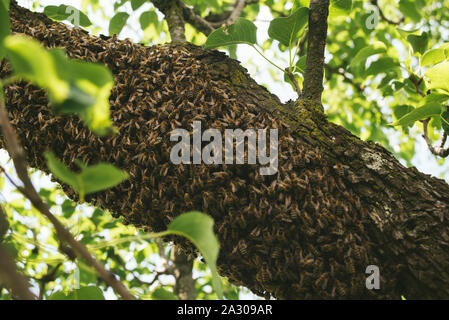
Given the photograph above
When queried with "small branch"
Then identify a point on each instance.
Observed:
(438, 151)
(417, 82)
(346, 78)
(174, 16)
(183, 266)
(375, 3)
(157, 274)
(231, 15)
(207, 26)
(48, 277)
(293, 80)
(12, 279)
(17, 155)
(238, 8)
(313, 78)
(196, 20)
(443, 141)
(4, 224)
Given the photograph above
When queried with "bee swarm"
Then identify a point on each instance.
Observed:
(308, 231)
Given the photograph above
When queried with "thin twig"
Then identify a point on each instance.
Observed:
(293, 80)
(207, 27)
(438, 151)
(17, 154)
(375, 3)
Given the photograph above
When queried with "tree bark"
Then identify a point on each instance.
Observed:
(185, 284)
(336, 205)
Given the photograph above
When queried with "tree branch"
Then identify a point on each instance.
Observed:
(4, 224)
(336, 205)
(375, 3)
(196, 20)
(313, 78)
(183, 266)
(208, 26)
(174, 14)
(12, 279)
(17, 155)
(438, 151)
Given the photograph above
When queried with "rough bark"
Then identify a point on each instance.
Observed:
(336, 205)
(313, 80)
(185, 284)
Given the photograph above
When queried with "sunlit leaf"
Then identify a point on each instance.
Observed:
(91, 179)
(198, 228)
(288, 30)
(409, 9)
(438, 76)
(34, 63)
(118, 22)
(136, 4)
(84, 293)
(163, 294)
(419, 42)
(433, 56)
(242, 31)
(74, 86)
(64, 12)
(147, 18)
(4, 25)
(421, 113)
(361, 56)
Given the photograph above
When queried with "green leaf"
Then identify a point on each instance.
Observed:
(84, 293)
(436, 97)
(402, 110)
(92, 179)
(34, 63)
(147, 18)
(163, 294)
(242, 31)
(68, 208)
(90, 87)
(64, 12)
(445, 121)
(288, 30)
(340, 7)
(419, 43)
(433, 56)
(136, 4)
(74, 86)
(408, 8)
(198, 228)
(61, 172)
(427, 110)
(118, 22)
(101, 177)
(383, 65)
(361, 56)
(5, 28)
(438, 76)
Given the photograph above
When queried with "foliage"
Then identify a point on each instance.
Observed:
(383, 77)
(83, 89)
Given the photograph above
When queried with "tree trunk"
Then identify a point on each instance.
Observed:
(336, 205)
